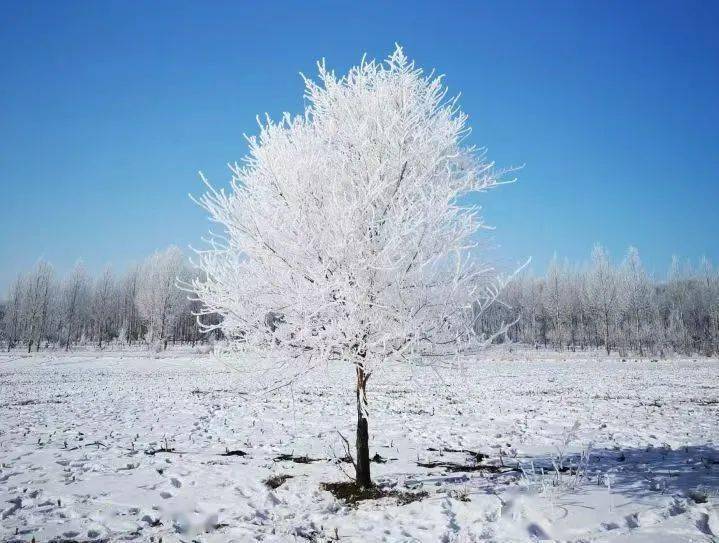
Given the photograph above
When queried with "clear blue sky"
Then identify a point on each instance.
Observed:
(108, 109)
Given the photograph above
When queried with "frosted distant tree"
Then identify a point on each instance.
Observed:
(556, 298)
(74, 303)
(102, 304)
(347, 235)
(575, 308)
(534, 307)
(541, 311)
(677, 298)
(710, 287)
(158, 298)
(636, 294)
(13, 318)
(129, 318)
(37, 299)
(603, 293)
(514, 304)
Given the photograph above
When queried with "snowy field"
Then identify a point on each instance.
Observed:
(133, 447)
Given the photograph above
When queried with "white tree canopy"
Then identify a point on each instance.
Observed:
(346, 232)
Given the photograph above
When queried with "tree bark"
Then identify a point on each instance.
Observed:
(639, 337)
(606, 332)
(69, 332)
(362, 465)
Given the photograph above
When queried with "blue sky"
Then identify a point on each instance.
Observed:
(108, 110)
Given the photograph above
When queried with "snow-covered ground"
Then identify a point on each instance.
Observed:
(80, 433)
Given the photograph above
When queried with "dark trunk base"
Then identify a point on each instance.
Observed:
(363, 477)
(362, 465)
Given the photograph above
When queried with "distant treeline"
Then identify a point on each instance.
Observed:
(614, 307)
(142, 305)
(595, 305)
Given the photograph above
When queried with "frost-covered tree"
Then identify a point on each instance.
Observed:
(635, 293)
(103, 308)
(129, 318)
(603, 293)
(556, 296)
(347, 232)
(709, 277)
(575, 307)
(13, 317)
(36, 306)
(158, 298)
(74, 303)
(676, 306)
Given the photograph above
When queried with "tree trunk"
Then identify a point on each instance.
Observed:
(606, 332)
(69, 332)
(362, 466)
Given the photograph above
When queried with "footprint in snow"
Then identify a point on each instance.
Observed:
(708, 523)
(176, 482)
(452, 525)
(677, 508)
(16, 504)
(537, 532)
(648, 518)
(152, 520)
(165, 494)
